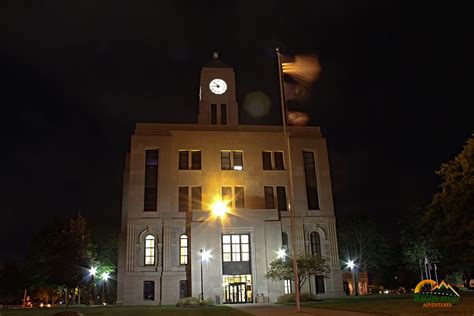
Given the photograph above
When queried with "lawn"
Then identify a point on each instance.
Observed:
(400, 305)
(129, 311)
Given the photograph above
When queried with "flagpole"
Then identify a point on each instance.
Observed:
(290, 183)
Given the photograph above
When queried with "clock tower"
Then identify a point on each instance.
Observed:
(217, 101)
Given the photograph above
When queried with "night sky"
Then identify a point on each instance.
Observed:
(394, 98)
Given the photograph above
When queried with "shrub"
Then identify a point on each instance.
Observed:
(291, 298)
(193, 302)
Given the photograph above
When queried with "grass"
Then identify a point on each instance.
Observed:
(129, 311)
(399, 305)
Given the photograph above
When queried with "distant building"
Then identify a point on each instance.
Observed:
(173, 174)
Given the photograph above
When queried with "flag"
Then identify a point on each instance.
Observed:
(298, 74)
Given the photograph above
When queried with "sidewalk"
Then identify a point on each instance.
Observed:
(281, 310)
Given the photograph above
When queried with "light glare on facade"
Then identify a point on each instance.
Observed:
(281, 253)
(219, 208)
(206, 254)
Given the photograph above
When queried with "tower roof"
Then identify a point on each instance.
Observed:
(215, 62)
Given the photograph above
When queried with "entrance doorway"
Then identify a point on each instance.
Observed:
(237, 289)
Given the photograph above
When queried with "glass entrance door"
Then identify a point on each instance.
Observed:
(235, 293)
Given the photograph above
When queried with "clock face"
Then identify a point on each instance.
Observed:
(218, 86)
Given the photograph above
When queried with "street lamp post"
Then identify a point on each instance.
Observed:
(353, 268)
(202, 287)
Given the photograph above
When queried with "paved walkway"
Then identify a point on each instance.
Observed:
(281, 310)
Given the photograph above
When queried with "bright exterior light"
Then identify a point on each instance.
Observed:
(219, 208)
(351, 264)
(238, 168)
(93, 271)
(205, 254)
(281, 253)
(104, 276)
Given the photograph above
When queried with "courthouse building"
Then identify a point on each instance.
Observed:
(173, 246)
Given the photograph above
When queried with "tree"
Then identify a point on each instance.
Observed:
(282, 269)
(450, 215)
(416, 241)
(58, 256)
(359, 240)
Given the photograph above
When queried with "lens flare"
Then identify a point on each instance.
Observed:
(304, 68)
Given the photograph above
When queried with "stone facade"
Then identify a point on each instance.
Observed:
(164, 279)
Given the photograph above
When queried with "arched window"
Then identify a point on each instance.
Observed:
(149, 250)
(183, 249)
(284, 242)
(315, 244)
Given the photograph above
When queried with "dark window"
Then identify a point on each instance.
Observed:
(281, 198)
(315, 244)
(278, 159)
(238, 162)
(239, 197)
(149, 290)
(213, 113)
(196, 160)
(183, 199)
(267, 160)
(227, 195)
(319, 280)
(183, 288)
(225, 160)
(183, 160)
(284, 242)
(151, 180)
(310, 179)
(269, 199)
(196, 198)
(223, 114)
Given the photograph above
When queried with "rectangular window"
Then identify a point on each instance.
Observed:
(269, 199)
(183, 199)
(278, 160)
(183, 250)
(235, 248)
(223, 114)
(149, 290)
(238, 161)
(196, 160)
(281, 198)
(183, 159)
(232, 160)
(311, 181)
(239, 197)
(287, 286)
(151, 180)
(267, 160)
(227, 195)
(319, 280)
(213, 114)
(183, 288)
(196, 198)
(225, 160)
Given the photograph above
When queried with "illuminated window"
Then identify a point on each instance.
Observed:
(287, 286)
(272, 160)
(310, 179)
(235, 248)
(151, 180)
(183, 249)
(184, 159)
(149, 250)
(232, 160)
